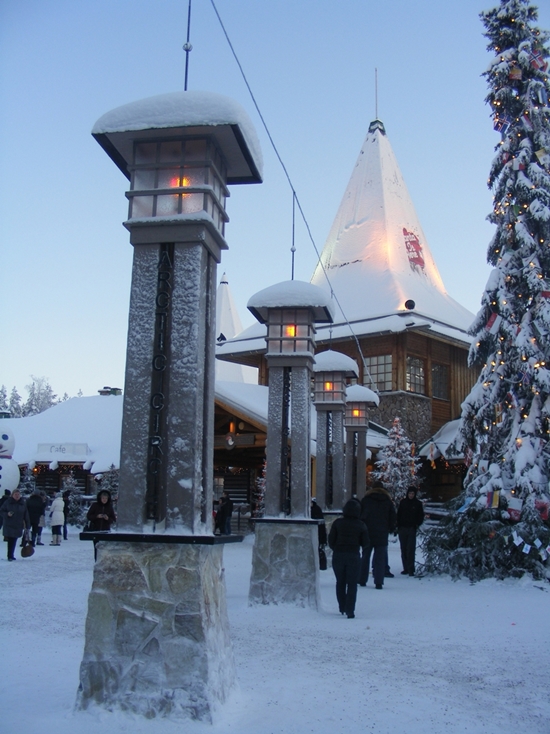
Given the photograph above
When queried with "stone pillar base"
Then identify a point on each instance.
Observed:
(157, 631)
(285, 564)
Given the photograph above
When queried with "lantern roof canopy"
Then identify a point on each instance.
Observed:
(331, 361)
(292, 294)
(190, 113)
(360, 394)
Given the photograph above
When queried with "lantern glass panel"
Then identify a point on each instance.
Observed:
(195, 150)
(192, 203)
(170, 152)
(144, 178)
(142, 206)
(146, 153)
(167, 205)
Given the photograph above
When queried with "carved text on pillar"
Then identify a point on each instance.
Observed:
(159, 386)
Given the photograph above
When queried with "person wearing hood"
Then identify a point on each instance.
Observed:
(15, 519)
(101, 513)
(347, 536)
(378, 514)
(410, 516)
(57, 518)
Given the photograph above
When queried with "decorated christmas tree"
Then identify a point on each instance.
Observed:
(398, 466)
(499, 526)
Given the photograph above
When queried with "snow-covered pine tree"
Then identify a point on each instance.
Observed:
(77, 510)
(3, 399)
(109, 482)
(500, 523)
(14, 405)
(258, 495)
(398, 466)
(41, 396)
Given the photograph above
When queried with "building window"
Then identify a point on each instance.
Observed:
(415, 375)
(380, 369)
(440, 381)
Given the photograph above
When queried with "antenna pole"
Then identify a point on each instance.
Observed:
(187, 47)
(375, 93)
(293, 248)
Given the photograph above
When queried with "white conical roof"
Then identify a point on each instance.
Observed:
(376, 255)
(228, 325)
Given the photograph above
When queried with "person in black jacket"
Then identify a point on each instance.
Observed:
(347, 535)
(378, 514)
(15, 520)
(410, 516)
(36, 508)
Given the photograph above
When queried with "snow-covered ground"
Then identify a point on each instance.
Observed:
(426, 655)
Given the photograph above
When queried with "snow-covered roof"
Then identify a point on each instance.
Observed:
(331, 361)
(228, 324)
(438, 444)
(360, 394)
(292, 294)
(195, 112)
(87, 430)
(78, 430)
(376, 255)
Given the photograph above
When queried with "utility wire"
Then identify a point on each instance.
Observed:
(295, 195)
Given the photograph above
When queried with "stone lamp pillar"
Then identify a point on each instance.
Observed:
(356, 422)
(157, 640)
(331, 370)
(285, 560)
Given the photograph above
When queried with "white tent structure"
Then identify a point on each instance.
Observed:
(228, 325)
(376, 256)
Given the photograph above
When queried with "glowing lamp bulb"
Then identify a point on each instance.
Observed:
(290, 330)
(356, 413)
(329, 386)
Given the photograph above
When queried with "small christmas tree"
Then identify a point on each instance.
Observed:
(109, 482)
(258, 495)
(499, 526)
(77, 511)
(398, 466)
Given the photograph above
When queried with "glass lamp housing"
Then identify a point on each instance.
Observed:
(290, 331)
(356, 415)
(178, 177)
(329, 387)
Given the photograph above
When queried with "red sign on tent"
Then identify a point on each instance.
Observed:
(414, 250)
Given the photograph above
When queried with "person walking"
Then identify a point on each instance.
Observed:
(347, 536)
(57, 518)
(15, 519)
(378, 514)
(410, 516)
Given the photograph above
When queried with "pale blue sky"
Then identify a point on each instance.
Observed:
(66, 259)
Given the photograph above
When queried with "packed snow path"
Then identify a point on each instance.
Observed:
(422, 656)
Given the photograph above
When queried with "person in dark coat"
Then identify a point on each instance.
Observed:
(223, 516)
(378, 514)
(4, 497)
(410, 516)
(15, 519)
(101, 513)
(347, 536)
(317, 514)
(66, 500)
(35, 506)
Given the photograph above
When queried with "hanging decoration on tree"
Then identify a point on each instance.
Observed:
(505, 418)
